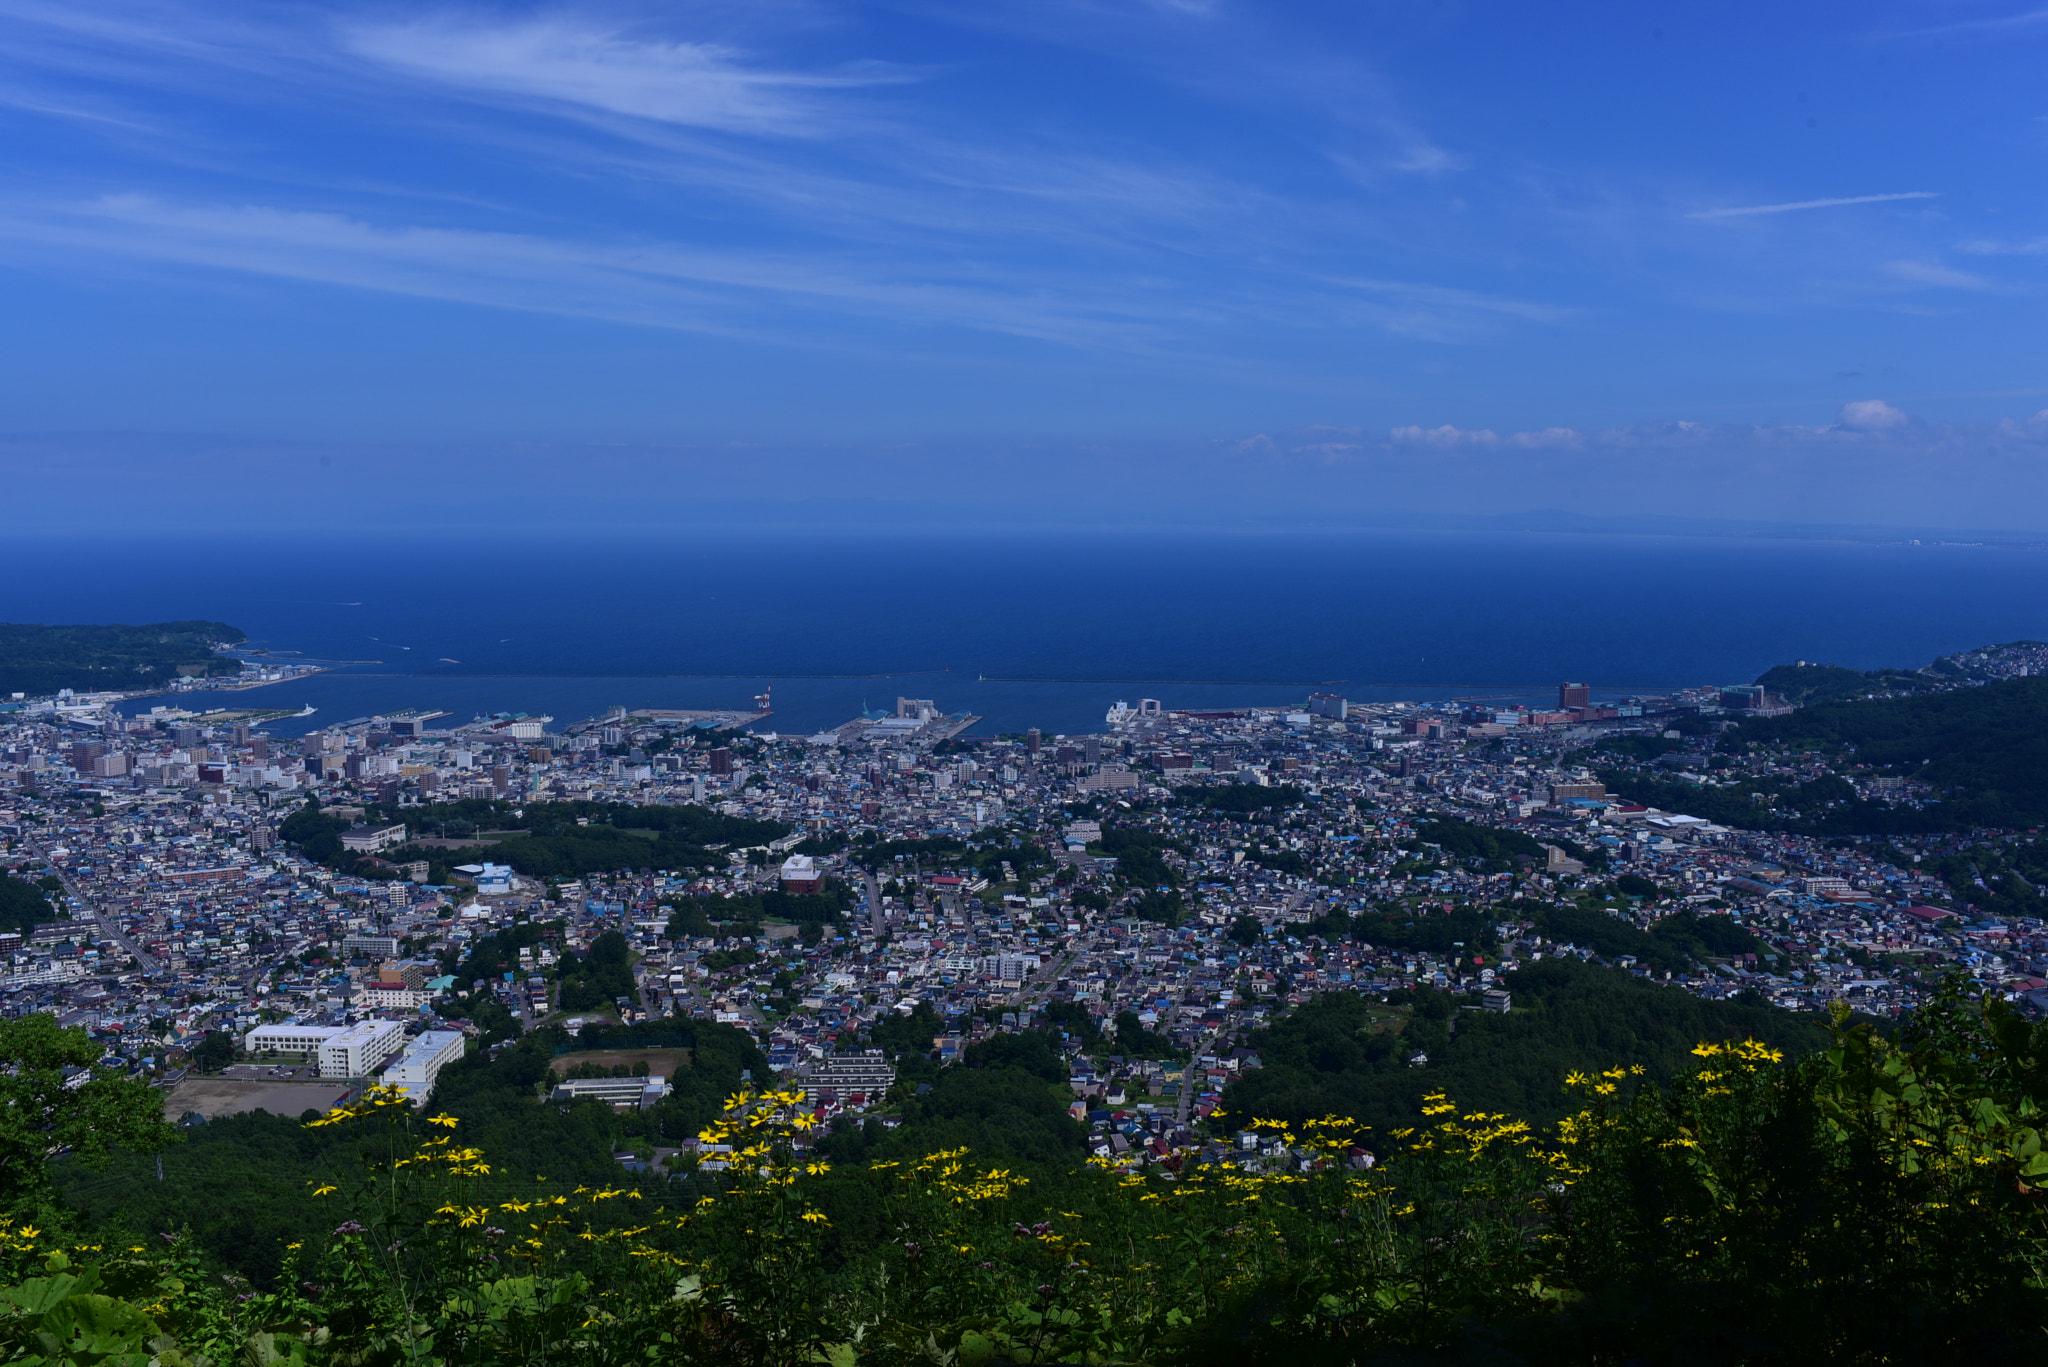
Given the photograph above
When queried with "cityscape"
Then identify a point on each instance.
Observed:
(1192, 875)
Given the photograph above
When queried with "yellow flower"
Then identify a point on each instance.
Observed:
(324, 1190)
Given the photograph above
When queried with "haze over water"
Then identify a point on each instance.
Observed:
(1035, 630)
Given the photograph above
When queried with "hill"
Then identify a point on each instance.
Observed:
(1982, 748)
(40, 660)
(1802, 683)
(1332, 1057)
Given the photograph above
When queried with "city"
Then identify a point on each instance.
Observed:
(1152, 893)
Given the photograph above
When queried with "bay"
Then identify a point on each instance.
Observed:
(1026, 630)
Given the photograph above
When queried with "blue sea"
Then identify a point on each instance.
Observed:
(1025, 630)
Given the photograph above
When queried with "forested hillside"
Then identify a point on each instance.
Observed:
(1984, 748)
(1341, 1055)
(38, 659)
(1973, 757)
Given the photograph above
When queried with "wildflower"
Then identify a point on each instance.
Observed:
(349, 1227)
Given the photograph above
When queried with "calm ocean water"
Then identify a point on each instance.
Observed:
(1040, 631)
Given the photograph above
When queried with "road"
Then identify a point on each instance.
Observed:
(876, 924)
(1188, 1086)
(1051, 971)
(108, 929)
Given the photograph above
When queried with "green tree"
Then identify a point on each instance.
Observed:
(604, 975)
(42, 1114)
(22, 905)
(215, 1052)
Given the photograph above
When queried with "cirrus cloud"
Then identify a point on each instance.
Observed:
(562, 62)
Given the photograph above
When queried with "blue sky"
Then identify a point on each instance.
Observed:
(1727, 259)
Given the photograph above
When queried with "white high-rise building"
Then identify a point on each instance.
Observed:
(357, 1050)
(414, 1071)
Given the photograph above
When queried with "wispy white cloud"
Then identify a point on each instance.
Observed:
(1935, 275)
(1442, 313)
(73, 110)
(572, 63)
(1244, 56)
(1752, 210)
(643, 283)
(1984, 246)
(1860, 427)
(1448, 297)
(1989, 24)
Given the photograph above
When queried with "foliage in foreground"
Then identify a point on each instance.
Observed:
(1876, 1201)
